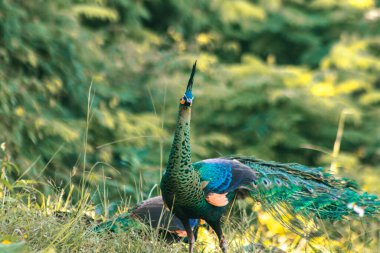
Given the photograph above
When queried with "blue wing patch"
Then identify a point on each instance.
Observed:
(217, 173)
(224, 175)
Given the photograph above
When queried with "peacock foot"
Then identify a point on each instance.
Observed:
(223, 245)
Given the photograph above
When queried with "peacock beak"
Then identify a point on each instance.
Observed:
(191, 79)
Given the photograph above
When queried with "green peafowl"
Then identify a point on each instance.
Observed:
(152, 213)
(293, 193)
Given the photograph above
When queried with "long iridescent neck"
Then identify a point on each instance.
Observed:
(180, 153)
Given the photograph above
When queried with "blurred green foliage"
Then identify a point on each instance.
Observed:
(274, 78)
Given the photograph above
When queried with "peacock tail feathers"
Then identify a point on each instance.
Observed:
(299, 196)
(120, 223)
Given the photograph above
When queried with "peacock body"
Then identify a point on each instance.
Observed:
(293, 193)
(151, 213)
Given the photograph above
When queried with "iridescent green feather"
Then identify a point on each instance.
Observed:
(121, 223)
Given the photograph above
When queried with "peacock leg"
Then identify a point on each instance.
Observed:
(190, 234)
(218, 230)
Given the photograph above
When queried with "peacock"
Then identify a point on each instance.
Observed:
(294, 194)
(151, 213)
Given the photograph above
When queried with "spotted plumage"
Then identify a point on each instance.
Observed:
(293, 193)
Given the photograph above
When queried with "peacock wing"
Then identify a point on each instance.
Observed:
(222, 176)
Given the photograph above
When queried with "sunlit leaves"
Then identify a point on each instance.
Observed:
(237, 11)
(93, 11)
(361, 4)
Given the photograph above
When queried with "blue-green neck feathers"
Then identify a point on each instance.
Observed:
(180, 153)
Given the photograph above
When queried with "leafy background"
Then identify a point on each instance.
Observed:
(93, 86)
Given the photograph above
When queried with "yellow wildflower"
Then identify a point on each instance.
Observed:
(6, 242)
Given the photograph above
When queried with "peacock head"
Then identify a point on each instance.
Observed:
(187, 99)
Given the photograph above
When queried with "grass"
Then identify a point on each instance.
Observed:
(43, 228)
(47, 226)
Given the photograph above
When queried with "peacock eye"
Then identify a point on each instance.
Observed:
(266, 182)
